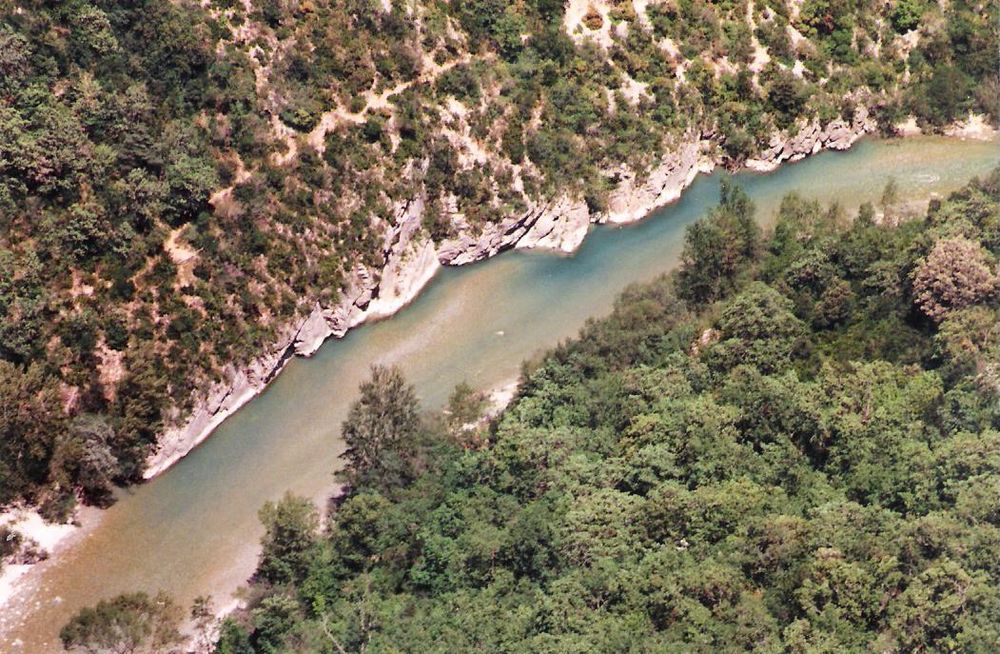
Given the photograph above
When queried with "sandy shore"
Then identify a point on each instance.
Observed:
(54, 539)
(975, 127)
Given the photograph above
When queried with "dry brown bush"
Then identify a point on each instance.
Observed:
(957, 273)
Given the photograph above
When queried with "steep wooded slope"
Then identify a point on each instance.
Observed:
(790, 445)
(180, 182)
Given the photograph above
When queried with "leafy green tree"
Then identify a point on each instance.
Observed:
(290, 532)
(967, 340)
(22, 301)
(718, 247)
(233, 639)
(934, 611)
(93, 35)
(944, 97)
(787, 95)
(466, 407)
(31, 421)
(834, 306)
(358, 529)
(955, 274)
(758, 328)
(15, 63)
(906, 14)
(87, 457)
(189, 181)
(381, 431)
(275, 617)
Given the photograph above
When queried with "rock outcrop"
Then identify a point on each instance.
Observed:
(634, 198)
(412, 260)
(838, 134)
(410, 263)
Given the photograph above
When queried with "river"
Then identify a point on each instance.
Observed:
(194, 530)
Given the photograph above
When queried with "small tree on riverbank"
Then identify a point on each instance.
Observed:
(718, 248)
(290, 528)
(381, 431)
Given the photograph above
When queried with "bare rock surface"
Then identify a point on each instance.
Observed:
(838, 134)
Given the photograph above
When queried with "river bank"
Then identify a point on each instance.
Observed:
(48, 540)
(411, 262)
(560, 225)
(473, 323)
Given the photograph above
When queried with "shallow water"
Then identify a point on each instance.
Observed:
(194, 530)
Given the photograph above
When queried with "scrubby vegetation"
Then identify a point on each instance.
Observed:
(135, 623)
(803, 460)
(179, 181)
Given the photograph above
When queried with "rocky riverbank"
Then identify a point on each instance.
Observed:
(412, 260)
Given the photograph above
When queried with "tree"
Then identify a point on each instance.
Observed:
(190, 180)
(759, 328)
(233, 639)
(787, 95)
(85, 455)
(944, 97)
(128, 624)
(834, 306)
(93, 35)
(140, 198)
(31, 421)
(290, 528)
(381, 430)
(716, 248)
(930, 615)
(956, 274)
(967, 340)
(890, 198)
(275, 617)
(906, 15)
(466, 407)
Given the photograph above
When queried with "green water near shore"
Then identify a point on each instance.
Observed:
(194, 529)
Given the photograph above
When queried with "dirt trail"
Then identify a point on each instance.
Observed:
(377, 101)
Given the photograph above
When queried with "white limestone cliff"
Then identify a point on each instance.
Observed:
(812, 137)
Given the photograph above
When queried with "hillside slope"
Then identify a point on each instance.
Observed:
(183, 185)
(790, 445)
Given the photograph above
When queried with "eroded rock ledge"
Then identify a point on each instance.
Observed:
(412, 260)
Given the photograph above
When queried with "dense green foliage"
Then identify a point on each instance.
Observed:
(180, 181)
(381, 430)
(808, 461)
(104, 147)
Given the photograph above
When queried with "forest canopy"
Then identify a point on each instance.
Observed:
(806, 459)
